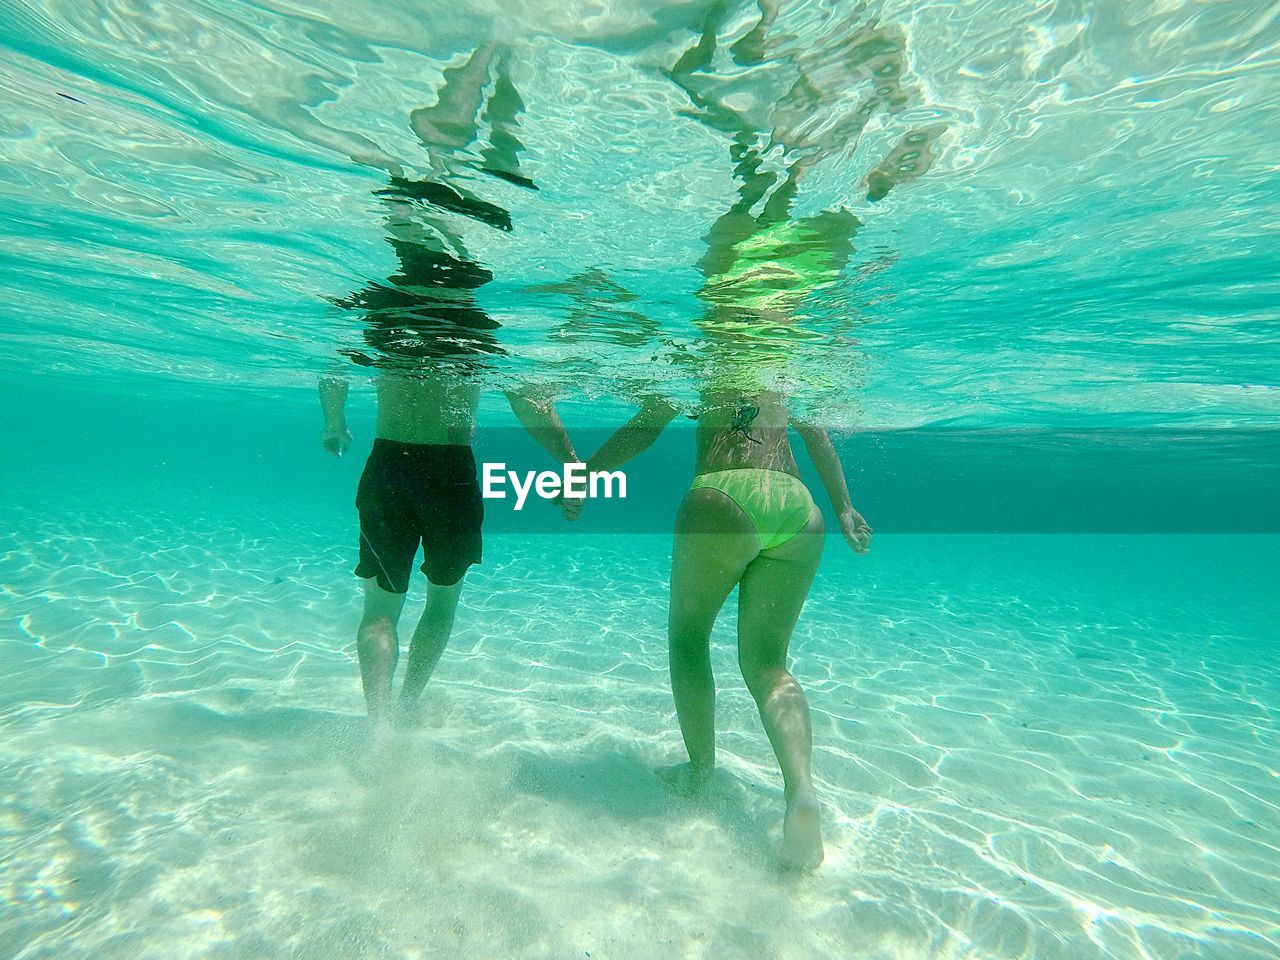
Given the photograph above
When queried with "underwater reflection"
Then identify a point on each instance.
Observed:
(762, 263)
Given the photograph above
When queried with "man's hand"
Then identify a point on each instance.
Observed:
(856, 530)
(335, 438)
(571, 507)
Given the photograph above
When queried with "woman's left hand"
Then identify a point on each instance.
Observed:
(856, 530)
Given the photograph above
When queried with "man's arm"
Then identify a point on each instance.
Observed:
(540, 419)
(827, 462)
(630, 440)
(335, 437)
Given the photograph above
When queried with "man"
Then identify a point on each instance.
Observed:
(430, 342)
(419, 486)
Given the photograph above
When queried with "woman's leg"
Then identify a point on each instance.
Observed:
(772, 592)
(714, 542)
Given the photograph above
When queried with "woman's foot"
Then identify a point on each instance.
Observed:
(802, 833)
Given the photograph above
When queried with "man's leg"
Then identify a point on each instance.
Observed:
(378, 647)
(714, 542)
(451, 517)
(772, 592)
(429, 641)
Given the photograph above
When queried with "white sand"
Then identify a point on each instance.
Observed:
(1021, 754)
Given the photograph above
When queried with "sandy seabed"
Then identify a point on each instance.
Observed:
(1019, 754)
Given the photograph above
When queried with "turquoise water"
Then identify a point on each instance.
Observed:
(1045, 706)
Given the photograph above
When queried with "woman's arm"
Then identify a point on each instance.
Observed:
(630, 440)
(857, 533)
(635, 436)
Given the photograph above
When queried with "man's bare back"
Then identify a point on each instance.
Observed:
(426, 410)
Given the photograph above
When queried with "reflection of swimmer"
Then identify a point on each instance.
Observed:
(812, 115)
(910, 158)
(749, 522)
(427, 310)
(479, 92)
(760, 268)
(762, 263)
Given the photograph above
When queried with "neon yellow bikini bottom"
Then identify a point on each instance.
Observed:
(777, 503)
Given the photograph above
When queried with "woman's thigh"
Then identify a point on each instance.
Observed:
(772, 593)
(714, 543)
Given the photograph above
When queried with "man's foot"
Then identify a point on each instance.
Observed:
(802, 833)
(686, 779)
(423, 712)
(373, 753)
(409, 715)
(380, 733)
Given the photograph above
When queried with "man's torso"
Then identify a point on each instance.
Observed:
(425, 409)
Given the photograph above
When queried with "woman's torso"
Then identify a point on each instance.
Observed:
(741, 431)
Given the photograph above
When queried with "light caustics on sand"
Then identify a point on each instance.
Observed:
(1027, 747)
(1010, 771)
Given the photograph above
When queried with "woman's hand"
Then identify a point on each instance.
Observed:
(571, 507)
(856, 530)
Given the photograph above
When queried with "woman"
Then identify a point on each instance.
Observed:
(749, 522)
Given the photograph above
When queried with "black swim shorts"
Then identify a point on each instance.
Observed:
(413, 493)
